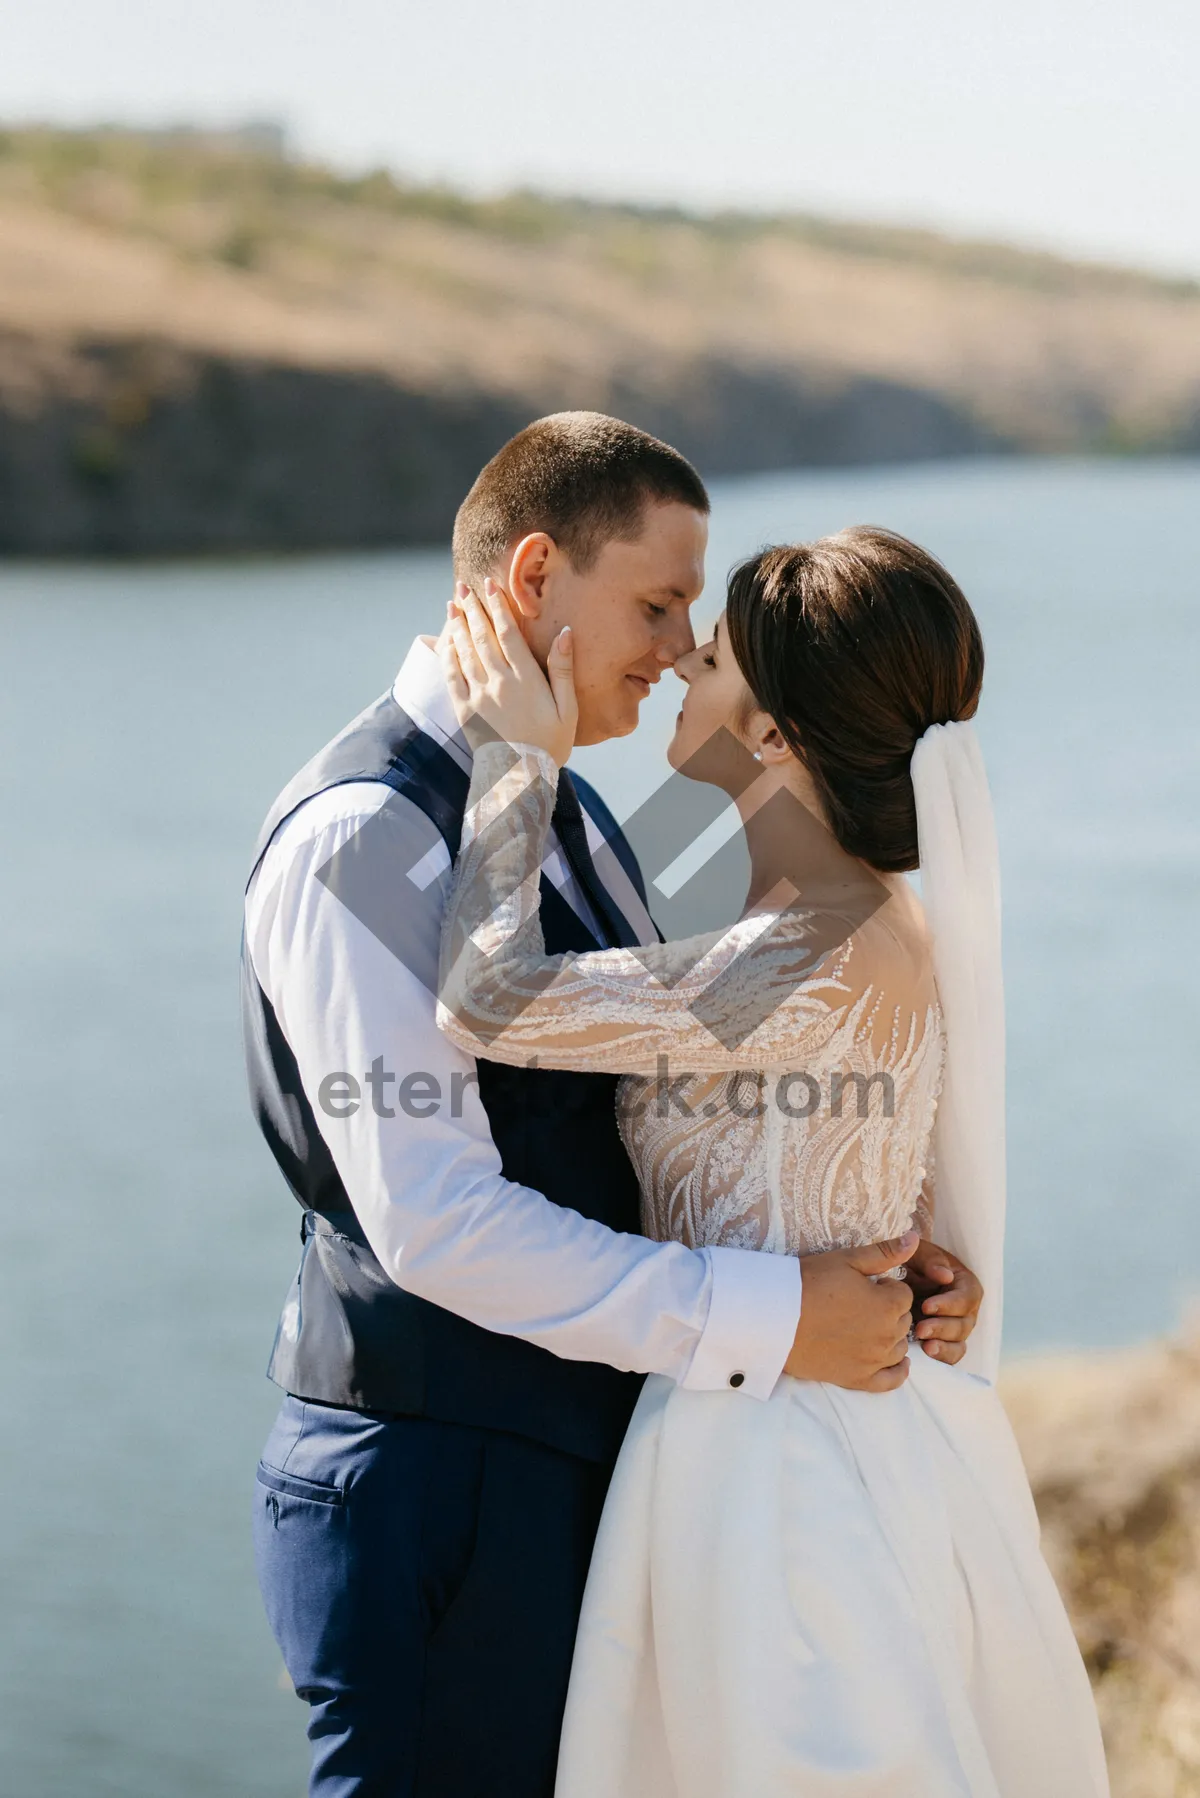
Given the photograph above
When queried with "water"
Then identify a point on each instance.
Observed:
(149, 716)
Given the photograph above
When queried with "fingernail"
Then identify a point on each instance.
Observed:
(934, 1349)
(930, 1307)
(565, 640)
(489, 586)
(461, 589)
(908, 1241)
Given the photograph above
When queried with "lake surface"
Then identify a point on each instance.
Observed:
(149, 716)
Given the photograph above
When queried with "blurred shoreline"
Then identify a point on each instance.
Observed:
(207, 346)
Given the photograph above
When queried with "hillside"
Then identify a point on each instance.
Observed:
(204, 343)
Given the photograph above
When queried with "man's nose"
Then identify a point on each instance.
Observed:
(677, 640)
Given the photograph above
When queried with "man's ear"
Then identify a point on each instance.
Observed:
(529, 569)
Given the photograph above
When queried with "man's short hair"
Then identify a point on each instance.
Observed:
(581, 477)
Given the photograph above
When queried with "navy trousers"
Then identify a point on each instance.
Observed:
(423, 1581)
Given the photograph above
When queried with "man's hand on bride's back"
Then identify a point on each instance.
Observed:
(853, 1328)
(947, 1296)
(492, 674)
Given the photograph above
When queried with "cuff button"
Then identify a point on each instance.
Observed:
(737, 1379)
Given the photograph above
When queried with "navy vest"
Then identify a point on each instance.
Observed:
(352, 1337)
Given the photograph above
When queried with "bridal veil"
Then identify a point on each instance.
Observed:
(960, 888)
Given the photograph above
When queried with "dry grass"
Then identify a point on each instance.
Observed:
(1112, 1444)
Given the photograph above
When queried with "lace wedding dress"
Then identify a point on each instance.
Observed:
(829, 1594)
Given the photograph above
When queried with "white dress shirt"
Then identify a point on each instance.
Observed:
(426, 1182)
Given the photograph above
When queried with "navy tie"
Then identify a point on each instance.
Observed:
(572, 835)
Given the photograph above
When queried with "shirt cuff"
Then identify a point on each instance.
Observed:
(752, 1316)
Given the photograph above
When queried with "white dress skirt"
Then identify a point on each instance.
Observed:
(831, 1594)
(828, 1594)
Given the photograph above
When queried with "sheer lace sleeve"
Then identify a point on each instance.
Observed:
(768, 991)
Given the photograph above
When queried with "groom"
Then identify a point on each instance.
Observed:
(474, 1306)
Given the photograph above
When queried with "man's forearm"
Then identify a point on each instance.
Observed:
(429, 1191)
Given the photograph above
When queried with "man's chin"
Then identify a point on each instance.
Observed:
(604, 733)
(620, 720)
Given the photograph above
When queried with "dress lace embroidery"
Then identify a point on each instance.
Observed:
(781, 1075)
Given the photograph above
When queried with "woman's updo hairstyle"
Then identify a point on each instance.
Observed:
(855, 645)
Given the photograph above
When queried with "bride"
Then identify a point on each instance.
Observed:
(831, 1594)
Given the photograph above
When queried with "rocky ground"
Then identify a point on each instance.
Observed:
(1112, 1444)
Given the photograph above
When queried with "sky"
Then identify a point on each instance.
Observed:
(1072, 124)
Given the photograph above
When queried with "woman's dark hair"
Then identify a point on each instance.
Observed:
(855, 645)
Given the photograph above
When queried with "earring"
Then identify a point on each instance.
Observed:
(758, 755)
